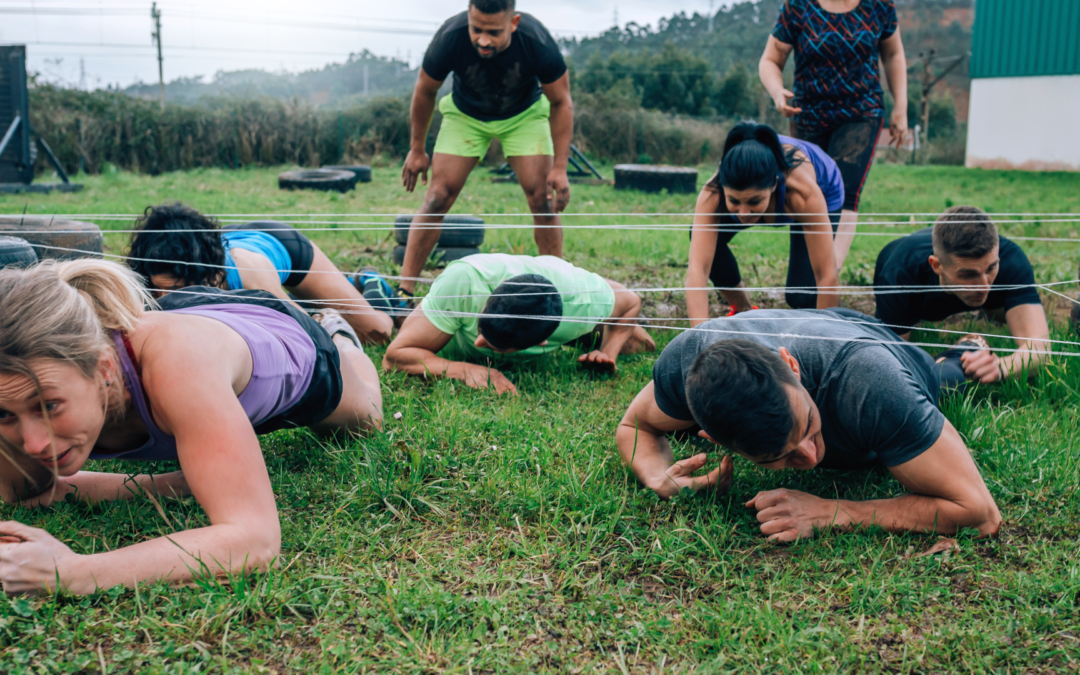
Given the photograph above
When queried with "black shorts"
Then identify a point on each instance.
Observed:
(852, 146)
(323, 394)
(301, 250)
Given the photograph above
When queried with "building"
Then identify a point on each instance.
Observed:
(1025, 85)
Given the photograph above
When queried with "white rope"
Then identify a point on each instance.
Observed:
(609, 321)
(831, 290)
(600, 214)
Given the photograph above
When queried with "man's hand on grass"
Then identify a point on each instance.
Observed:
(680, 475)
(789, 515)
(30, 558)
(479, 377)
(981, 366)
(598, 360)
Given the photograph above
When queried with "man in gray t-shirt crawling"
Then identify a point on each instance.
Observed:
(801, 389)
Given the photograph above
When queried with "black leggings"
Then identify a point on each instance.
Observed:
(725, 269)
(851, 145)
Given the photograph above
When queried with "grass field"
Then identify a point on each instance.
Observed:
(485, 534)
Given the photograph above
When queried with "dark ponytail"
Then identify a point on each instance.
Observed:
(164, 244)
(753, 158)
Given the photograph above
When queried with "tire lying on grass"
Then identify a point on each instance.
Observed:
(55, 237)
(440, 256)
(361, 171)
(650, 178)
(317, 179)
(470, 236)
(15, 252)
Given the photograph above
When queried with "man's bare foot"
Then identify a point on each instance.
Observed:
(639, 342)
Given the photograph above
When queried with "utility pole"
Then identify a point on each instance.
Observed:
(82, 73)
(710, 15)
(616, 16)
(928, 79)
(155, 14)
(365, 77)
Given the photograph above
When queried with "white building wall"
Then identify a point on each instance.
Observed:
(1030, 123)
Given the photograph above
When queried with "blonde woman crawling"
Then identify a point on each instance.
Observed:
(86, 373)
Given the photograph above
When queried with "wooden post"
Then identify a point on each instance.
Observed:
(340, 138)
(82, 150)
(155, 14)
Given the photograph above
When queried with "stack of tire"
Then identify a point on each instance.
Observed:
(317, 179)
(654, 178)
(26, 239)
(454, 242)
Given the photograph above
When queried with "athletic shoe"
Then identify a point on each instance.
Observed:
(733, 312)
(335, 324)
(407, 299)
(973, 342)
(376, 290)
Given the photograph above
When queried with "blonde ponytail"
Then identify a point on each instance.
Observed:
(113, 291)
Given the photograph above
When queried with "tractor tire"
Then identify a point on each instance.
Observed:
(441, 256)
(361, 171)
(53, 237)
(649, 178)
(317, 179)
(15, 252)
(451, 237)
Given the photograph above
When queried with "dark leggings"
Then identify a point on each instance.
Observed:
(725, 269)
(950, 371)
(851, 145)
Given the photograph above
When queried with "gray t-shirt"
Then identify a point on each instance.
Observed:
(878, 402)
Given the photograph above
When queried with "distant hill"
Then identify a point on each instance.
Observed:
(362, 76)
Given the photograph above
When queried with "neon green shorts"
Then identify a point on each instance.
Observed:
(525, 134)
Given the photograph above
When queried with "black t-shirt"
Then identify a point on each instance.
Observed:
(878, 402)
(502, 86)
(906, 262)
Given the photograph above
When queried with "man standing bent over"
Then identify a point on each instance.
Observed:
(510, 83)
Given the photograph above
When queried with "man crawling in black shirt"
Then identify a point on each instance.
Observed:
(964, 265)
(806, 389)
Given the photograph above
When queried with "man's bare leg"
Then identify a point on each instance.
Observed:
(448, 176)
(532, 172)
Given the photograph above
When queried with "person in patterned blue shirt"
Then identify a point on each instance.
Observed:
(838, 103)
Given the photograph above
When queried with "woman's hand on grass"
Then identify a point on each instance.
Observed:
(31, 559)
(598, 360)
(680, 476)
(53, 495)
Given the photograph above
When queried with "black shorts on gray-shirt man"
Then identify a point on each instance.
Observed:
(877, 398)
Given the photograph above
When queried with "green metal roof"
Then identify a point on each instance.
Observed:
(1025, 38)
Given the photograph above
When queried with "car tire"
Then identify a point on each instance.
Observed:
(317, 179)
(55, 237)
(15, 252)
(361, 171)
(649, 178)
(451, 237)
(440, 256)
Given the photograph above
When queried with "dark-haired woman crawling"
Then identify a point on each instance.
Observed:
(86, 373)
(761, 178)
(177, 246)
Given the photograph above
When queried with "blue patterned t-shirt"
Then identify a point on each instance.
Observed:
(836, 59)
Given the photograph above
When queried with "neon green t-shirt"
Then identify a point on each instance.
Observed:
(584, 295)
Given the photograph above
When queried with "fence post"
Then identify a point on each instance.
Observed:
(236, 141)
(340, 139)
(82, 151)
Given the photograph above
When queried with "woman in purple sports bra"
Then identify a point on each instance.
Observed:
(761, 178)
(86, 373)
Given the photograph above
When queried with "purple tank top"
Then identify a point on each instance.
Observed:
(828, 176)
(283, 361)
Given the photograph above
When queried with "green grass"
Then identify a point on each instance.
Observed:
(484, 534)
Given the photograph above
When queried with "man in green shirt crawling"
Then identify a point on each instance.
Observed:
(495, 308)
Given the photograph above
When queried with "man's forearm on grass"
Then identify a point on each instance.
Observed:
(646, 453)
(421, 362)
(915, 513)
(1030, 356)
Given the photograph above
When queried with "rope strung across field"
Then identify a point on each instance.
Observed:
(609, 321)
(831, 290)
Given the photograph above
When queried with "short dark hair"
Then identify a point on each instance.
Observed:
(735, 390)
(515, 304)
(165, 244)
(492, 6)
(964, 232)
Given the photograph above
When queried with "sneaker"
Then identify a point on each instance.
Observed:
(974, 342)
(376, 290)
(335, 324)
(732, 311)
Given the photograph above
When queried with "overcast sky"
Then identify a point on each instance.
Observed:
(201, 37)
